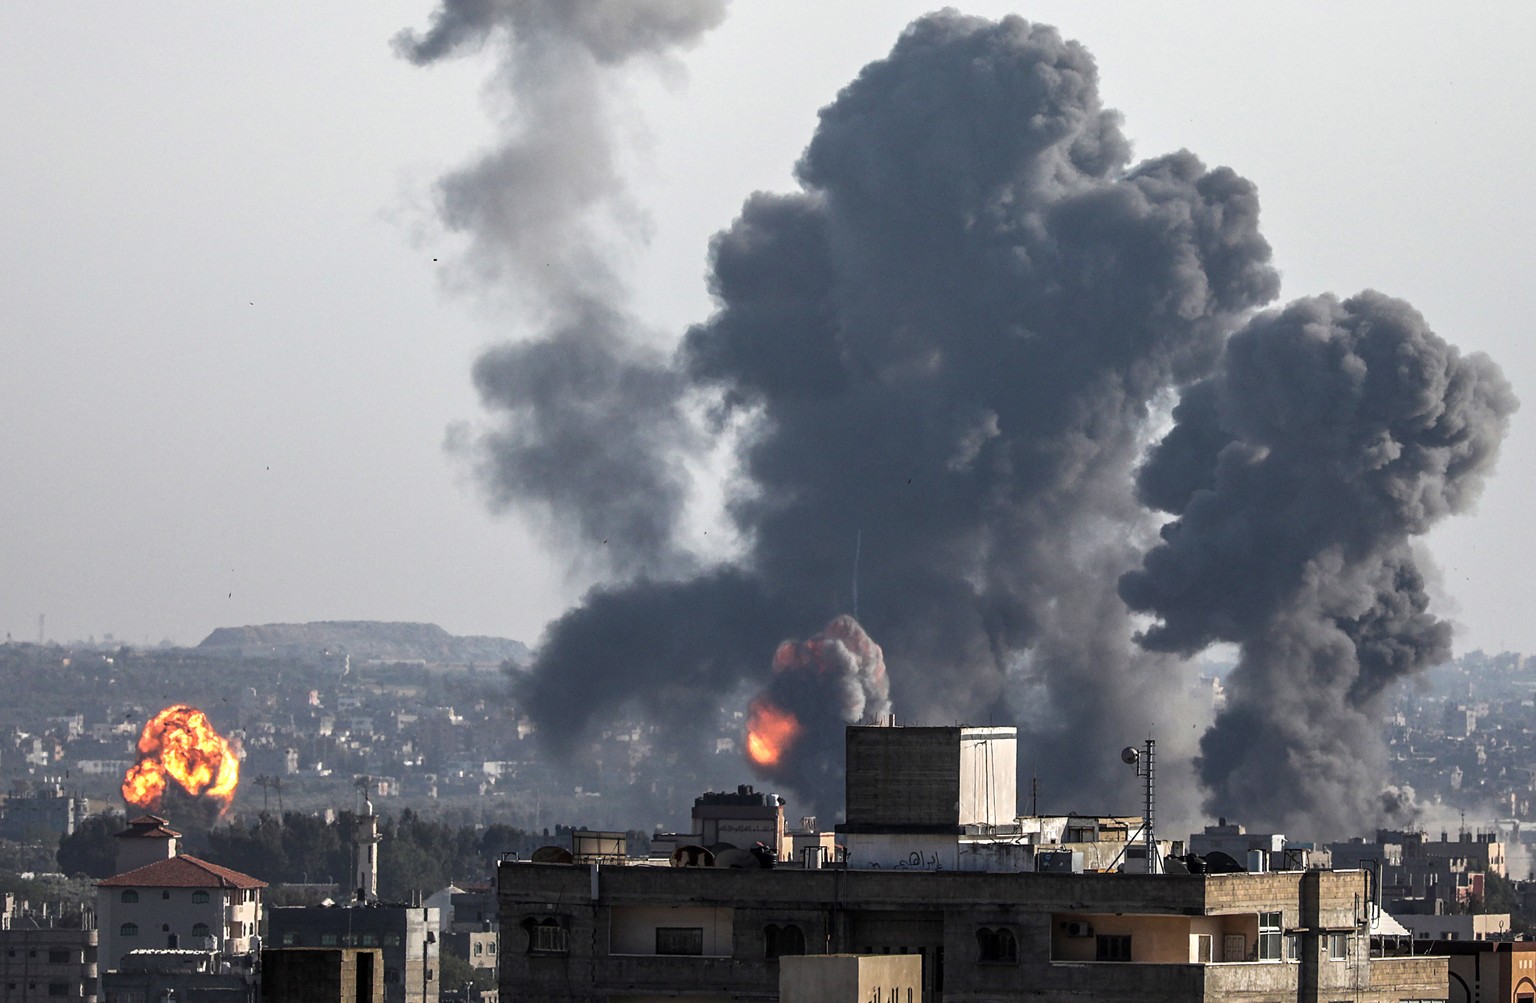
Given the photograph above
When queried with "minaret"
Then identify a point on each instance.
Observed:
(366, 838)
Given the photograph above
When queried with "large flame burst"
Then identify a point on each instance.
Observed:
(180, 744)
(770, 732)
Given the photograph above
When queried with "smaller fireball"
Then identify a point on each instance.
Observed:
(770, 732)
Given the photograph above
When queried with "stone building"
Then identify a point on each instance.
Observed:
(987, 925)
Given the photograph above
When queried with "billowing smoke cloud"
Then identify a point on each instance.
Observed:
(588, 418)
(795, 728)
(949, 341)
(1332, 434)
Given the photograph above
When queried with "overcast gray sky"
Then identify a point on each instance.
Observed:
(229, 357)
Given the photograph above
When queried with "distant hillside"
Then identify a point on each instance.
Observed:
(365, 640)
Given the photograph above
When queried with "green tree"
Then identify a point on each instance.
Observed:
(91, 850)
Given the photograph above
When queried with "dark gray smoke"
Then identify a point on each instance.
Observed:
(949, 340)
(1330, 436)
(587, 418)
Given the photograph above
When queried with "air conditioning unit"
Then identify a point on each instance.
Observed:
(1079, 929)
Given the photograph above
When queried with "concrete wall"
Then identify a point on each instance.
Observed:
(935, 915)
(916, 851)
(632, 929)
(989, 780)
(851, 978)
(903, 777)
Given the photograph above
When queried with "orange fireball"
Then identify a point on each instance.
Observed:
(180, 744)
(770, 732)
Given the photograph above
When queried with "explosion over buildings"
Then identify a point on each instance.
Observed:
(180, 744)
(955, 341)
(795, 727)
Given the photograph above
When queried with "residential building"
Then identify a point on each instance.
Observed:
(986, 924)
(1487, 971)
(405, 936)
(322, 975)
(45, 811)
(165, 900)
(46, 957)
(1424, 876)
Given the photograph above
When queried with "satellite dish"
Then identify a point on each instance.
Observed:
(1129, 755)
(552, 855)
(692, 855)
(1217, 862)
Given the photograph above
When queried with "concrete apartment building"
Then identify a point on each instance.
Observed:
(322, 975)
(165, 901)
(1423, 876)
(1487, 972)
(967, 901)
(406, 937)
(44, 956)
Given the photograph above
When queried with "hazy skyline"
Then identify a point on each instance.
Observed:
(231, 358)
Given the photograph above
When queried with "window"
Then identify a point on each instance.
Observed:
(290, 939)
(199, 929)
(199, 897)
(58, 956)
(391, 940)
(1292, 947)
(391, 976)
(781, 941)
(58, 989)
(327, 940)
(679, 940)
(129, 895)
(997, 945)
(1338, 946)
(166, 894)
(546, 936)
(1269, 936)
(370, 940)
(1112, 947)
(128, 930)
(478, 949)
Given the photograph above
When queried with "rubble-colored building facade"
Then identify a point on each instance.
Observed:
(593, 934)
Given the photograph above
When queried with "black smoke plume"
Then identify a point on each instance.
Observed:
(1331, 435)
(950, 341)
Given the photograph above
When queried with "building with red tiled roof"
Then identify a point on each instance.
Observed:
(172, 900)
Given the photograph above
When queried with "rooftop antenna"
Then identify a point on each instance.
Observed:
(858, 544)
(1145, 762)
(1034, 792)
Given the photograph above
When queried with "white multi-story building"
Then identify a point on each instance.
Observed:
(162, 899)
